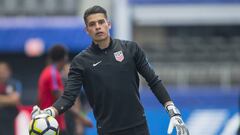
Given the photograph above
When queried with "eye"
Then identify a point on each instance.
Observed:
(101, 21)
(91, 24)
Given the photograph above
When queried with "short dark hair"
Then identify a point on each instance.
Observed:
(5, 64)
(57, 53)
(94, 10)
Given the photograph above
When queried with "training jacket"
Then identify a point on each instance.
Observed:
(110, 79)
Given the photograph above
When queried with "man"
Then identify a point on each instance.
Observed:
(10, 91)
(108, 71)
(50, 85)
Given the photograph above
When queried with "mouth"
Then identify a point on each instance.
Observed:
(99, 33)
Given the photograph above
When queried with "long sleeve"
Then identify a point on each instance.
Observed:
(148, 73)
(72, 87)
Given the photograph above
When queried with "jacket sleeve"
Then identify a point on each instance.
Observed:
(144, 68)
(72, 87)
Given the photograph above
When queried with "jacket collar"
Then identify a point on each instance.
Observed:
(95, 47)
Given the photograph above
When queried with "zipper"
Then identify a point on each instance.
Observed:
(105, 52)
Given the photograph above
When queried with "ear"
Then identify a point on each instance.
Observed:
(109, 24)
(86, 30)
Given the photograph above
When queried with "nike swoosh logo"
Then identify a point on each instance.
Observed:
(95, 64)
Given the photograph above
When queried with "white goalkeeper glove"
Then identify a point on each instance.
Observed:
(176, 121)
(36, 111)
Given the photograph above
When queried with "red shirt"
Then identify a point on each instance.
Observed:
(50, 81)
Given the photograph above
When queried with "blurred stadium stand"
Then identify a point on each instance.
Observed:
(193, 45)
(38, 7)
(196, 55)
(15, 32)
(191, 51)
(190, 42)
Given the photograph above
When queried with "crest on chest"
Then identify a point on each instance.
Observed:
(119, 56)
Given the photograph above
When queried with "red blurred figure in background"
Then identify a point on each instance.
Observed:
(50, 84)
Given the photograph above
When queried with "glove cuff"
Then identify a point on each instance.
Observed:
(172, 110)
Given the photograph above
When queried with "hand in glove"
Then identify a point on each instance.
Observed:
(36, 111)
(176, 121)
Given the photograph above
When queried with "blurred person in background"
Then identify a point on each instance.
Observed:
(50, 84)
(108, 71)
(75, 126)
(10, 91)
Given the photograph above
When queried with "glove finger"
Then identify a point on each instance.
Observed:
(186, 132)
(170, 127)
(183, 129)
(35, 108)
(35, 111)
(180, 130)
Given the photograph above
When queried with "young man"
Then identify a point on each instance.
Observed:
(50, 82)
(50, 85)
(10, 91)
(108, 71)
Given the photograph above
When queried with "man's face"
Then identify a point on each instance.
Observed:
(5, 72)
(98, 27)
(63, 62)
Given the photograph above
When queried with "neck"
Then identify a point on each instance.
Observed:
(103, 43)
(58, 66)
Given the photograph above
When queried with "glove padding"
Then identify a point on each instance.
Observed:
(176, 121)
(36, 111)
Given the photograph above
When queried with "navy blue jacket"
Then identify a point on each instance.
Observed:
(110, 79)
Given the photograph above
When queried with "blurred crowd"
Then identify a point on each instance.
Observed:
(50, 87)
(10, 92)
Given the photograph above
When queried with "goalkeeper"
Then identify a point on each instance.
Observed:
(108, 71)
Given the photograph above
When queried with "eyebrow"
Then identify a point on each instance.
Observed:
(96, 21)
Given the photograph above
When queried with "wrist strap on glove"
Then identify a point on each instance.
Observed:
(172, 110)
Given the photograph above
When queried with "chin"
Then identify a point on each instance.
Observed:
(100, 39)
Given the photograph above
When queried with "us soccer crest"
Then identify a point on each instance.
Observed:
(119, 56)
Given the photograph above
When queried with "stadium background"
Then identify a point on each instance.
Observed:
(193, 45)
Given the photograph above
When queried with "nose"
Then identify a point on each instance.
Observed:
(97, 26)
